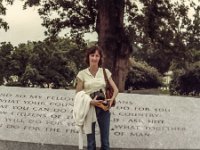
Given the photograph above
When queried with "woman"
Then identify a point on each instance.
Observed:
(91, 80)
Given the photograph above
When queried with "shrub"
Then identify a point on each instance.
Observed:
(186, 82)
(142, 76)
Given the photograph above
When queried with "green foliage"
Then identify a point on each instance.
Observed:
(79, 15)
(44, 64)
(20, 58)
(4, 24)
(186, 82)
(142, 76)
(5, 59)
(161, 31)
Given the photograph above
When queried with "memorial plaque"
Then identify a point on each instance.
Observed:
(36, 115)
(156, 122)
(138, 121)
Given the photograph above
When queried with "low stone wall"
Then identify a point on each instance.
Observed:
(42, 119)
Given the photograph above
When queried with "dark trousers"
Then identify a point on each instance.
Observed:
(103, 118)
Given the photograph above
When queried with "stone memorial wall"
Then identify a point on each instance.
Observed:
(138, 121)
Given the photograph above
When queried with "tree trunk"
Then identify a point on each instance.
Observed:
(113, 40)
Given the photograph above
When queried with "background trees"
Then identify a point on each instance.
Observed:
(186, 82)
(162, 34)
(4, 24)
(43, 64)
(106, 17)
(142, 76)
(159, 32)
(5, 60)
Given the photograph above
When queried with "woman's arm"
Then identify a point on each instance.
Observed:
(116, 91)
(79, 85)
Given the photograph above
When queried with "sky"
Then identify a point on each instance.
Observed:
(25, 25)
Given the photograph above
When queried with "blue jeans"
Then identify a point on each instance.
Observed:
(103, 118)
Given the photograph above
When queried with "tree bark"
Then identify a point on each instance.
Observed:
(113, 40)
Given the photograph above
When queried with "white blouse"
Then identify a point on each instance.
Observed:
(91, 83)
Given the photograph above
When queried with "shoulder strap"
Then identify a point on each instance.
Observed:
(105, 77)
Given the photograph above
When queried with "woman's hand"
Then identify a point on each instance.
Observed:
(99, 103)
(95, 102)
(110, 102)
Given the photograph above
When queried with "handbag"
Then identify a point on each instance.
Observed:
(108, 90)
